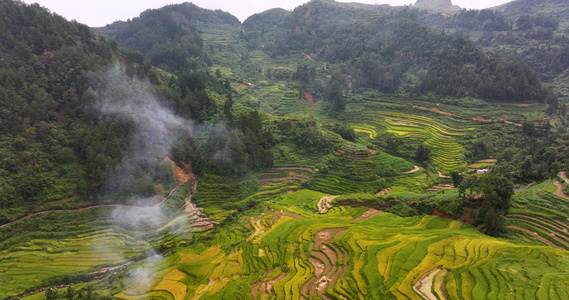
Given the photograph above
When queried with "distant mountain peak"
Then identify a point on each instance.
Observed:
(437, 5)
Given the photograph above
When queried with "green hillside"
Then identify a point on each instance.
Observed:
(336, 151)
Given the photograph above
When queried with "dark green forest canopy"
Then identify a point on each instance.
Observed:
(168, 36)
(379, 48)
(56, 143)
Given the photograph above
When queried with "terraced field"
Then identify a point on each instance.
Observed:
(65, 244)
(444, 140)
(291, 251)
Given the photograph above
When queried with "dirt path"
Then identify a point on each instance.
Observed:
(309, 170)
(436, 110)
(262, 181)
(415, 169)
(178, 172)
(525, 104)
(509, 122)
(559, 190)
(325, 204)
(385, 191)
(424, 286)
(63, 210)
(537, 236)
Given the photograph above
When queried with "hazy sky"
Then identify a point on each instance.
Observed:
(97, 13)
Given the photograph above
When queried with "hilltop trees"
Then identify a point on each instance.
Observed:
(493, 195)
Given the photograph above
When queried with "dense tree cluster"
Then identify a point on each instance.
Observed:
(167, 36)
(377, 49)
(58, 143)
(492, 195)
(43, 100)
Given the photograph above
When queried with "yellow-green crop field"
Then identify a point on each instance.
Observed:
(348, 254)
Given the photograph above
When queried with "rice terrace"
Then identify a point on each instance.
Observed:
(330, 151)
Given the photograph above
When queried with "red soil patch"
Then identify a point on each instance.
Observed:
(437, 212)
(308, 11)
(467, 217)
(61, 115)
(509, 122)
(368, 214)
(309, 97)
(180, 174)
(385, 191)
(435, 109)
(478, 118)
(559, 190)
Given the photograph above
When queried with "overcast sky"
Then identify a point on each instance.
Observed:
(97, 13)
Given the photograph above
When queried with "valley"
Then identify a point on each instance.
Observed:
(305, 154)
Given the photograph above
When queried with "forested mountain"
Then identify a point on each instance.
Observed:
(184, 155)
(63, 139)
(534, 32)
(555, 9)
(168, 37)
(392, 51)
(43, 95)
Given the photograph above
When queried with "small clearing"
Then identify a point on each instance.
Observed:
(368, 214)
(490, 160)
(325, 204)
(385, 191)
(309, 97)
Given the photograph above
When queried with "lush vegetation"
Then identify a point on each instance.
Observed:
(338, 151)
